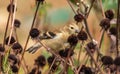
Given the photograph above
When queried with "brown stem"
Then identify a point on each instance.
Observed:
(82, 63)
(29, 35)
(80, 51)
(102, 9)
(12, 21)
(52, 64)
(71, 6)
(118, 28)
(93, 1)
(6, 29)
(97, 66)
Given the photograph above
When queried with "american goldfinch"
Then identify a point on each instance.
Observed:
(55, 41)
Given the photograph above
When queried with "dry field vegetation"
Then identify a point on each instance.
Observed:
(59, 37)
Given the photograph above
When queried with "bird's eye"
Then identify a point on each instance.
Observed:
(71, 27)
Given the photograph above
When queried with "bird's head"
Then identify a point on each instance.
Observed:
(73, 28)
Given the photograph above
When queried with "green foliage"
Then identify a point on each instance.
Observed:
(111, 4)
(70, 71)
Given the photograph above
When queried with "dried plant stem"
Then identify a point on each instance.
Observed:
(52, 52)
(0, 63)
(80, 50)
(71, 6)
(118, 28)
(52, 64)
(101, 38)
(12, 21)
(93, 1)
(6, 29)
(94, 60)
(29, 35)
(82, 63)
(103, 31)
(102, 8)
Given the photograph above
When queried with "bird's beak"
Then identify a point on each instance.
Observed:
(77, 31)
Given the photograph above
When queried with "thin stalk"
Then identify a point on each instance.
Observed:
(90, 54)
(6, 29)
(103, 31)
(29, 35)
(85, 56)
(80, 51)
(52, 64)
(93, 1)
(71, 6)
(12, 21)
(101, 38)
(118, 28)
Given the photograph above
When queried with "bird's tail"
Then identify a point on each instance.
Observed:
(34, 48)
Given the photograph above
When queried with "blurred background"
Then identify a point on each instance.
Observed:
(51, 16)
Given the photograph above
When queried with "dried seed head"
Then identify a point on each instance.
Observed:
(50, 59)
(18, 47)
(14, 69)
(91, 46)
(17, 23)
(10, 8)
(82, 35)
(66, 52)
(34, 33)
(109, 14)
(11, 41)
(2, 49)
(72, 39)
(41, 1)
(105, 24)
(113, 31)
(33, 71)
(85, 70)
(78, 17)
(13, 58)
(117, 61)
(40, 61)
(107, 60)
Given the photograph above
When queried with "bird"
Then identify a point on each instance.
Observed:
(55, 41)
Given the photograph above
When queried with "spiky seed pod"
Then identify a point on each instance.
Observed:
(17, 23)
(40, 61)
(109, 14)
(11, 41)
(14, 69)
(82, 35)
(105, 23)
(40, 1)
(50, 59)
(78, 17)
(33, 71)
(10, 8)
(85, 70)
(13, 58)
(65, 52)
(34, 33)
(117, 61)
(113, 31)
(2, 49)
(107, 60)
(91, 46)
(18, 47)
(72, 39)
